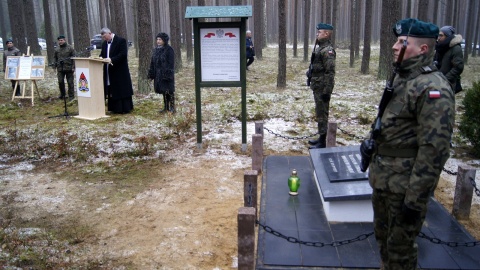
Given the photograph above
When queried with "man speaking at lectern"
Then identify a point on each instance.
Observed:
(116, 75)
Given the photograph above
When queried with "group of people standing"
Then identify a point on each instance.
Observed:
(415, 133)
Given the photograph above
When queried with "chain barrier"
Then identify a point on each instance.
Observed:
(292, 239)
(449, 172)
(477, 191)
(351, 135)
(361, 237)
(450, 244)
(288, 137)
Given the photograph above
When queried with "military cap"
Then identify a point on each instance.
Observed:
(324, 26)
(61, 37)
(415, 28)
(9, 40)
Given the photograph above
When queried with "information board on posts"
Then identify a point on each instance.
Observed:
(220, 54)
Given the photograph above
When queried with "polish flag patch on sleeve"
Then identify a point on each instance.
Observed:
(434, 94)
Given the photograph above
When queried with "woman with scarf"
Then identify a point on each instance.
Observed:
(162, 71)
(449, 56)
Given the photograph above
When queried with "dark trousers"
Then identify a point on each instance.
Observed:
(61, 83)
(250, 60)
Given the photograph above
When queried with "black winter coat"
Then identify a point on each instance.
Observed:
(118, 72)
(162, 69)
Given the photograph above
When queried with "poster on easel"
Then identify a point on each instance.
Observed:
(25, 68)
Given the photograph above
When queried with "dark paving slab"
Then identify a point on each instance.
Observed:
(301, 218)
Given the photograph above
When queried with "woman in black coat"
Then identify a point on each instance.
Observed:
(162, 71)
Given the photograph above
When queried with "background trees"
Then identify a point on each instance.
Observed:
(356, 22)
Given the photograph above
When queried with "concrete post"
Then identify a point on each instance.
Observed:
(246, 238)
(257, 152)
(462, 200)
(332, 134)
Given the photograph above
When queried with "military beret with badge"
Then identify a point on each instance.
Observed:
(324, 26)
(415, 28)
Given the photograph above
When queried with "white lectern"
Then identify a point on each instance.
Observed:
(89, 87)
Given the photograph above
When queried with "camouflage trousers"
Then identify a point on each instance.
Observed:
(61, 82)
(395, 237)
(322, 107)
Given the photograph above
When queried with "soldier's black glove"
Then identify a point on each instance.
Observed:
(366, 150)
(411, 216)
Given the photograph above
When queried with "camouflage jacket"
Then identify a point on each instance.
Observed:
(63, 58)
(420, 116)
(323, 66)
(13, 51)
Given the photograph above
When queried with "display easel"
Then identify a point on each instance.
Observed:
(36, 70)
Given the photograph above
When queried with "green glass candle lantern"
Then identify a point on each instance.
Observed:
(293, 183)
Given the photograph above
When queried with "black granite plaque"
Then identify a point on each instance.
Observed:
(343, 166)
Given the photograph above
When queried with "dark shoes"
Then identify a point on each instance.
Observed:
(321, 142)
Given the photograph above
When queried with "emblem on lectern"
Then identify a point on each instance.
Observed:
(83, 84)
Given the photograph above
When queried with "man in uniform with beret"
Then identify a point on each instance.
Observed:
(323, 81)
(65, 67)
(412, 147)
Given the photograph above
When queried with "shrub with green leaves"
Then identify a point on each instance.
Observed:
(470, 122)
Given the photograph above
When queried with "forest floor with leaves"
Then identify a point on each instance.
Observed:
(134, 191)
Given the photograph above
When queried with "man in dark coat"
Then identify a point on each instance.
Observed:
(116, 75)
(449, 56)
(162, 71)
(250, 49)
(11, 51)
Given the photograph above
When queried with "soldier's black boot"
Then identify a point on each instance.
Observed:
(322, 142)
(165, 104)
(314, 141)
(171, 107)
(62, 90)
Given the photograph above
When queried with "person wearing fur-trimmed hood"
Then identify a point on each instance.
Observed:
(162, 71)
(449, 56)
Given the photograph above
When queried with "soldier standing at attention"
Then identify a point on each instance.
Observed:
(412, 147)
(323, 81)
(65, 67)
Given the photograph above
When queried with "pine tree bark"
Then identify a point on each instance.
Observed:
(17, 25)
(259, 27)
(120, 23)
(367, 38)
(423, 10)
(295, 28)
(282, 45)
(61, 13)
(175, 33)
(144, 45)
(188, 34)
(31, 27)
(82, 40)
(390, 12)
(48, 30)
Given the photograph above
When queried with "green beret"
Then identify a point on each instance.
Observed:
(415, 28)
(324, 26)
(61, 37)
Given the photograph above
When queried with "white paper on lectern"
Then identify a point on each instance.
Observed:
(82, 82)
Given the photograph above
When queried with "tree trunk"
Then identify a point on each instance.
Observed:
(31, 27)
(175, 33)
(188, 33)
(48, 30)
(469, 30)
(352, 32)
(144, 44)
(17, 25)
(3, 20)
(423, 10)
(61, 28)
(306, 29)
(390, 15)
(259, 27)
(334, 20)
(68, 11)
(449, 13)
(408, 13)
(82, 40)
(358, 15)
(75, 27)
(282, 45)
(120, 23)
(295, 28)
(367, 38)
(475, 40)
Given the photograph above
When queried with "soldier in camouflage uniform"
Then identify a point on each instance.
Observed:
(65, 67)
(323, 81)
(413, 145)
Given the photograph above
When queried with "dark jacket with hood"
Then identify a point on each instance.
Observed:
(449, 58)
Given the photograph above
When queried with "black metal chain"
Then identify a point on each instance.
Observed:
(292, 239)
(351, 135)
(288, 137)
(361, 237)
(450, 244)
(449, 172)
(477, 191)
